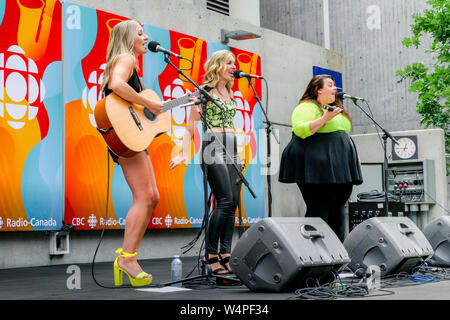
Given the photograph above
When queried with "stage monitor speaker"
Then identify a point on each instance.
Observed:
(438, 234)
(284, 253)
(394, 244)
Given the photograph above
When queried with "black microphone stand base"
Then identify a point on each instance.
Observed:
(213, 279)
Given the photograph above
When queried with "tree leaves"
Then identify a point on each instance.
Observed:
(432, 84)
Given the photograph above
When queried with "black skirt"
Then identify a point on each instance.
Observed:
(322, 158)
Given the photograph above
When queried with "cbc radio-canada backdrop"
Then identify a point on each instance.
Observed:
(55, 166)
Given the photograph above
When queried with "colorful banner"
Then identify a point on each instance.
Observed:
(182, 204)
(248, 125)
(31, 135)
(32, 195)
(85, 41)
(171, 211)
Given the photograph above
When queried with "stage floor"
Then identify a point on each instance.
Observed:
(59, 282)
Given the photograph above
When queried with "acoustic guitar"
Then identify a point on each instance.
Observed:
(130, 128)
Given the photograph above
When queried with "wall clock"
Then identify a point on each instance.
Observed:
(405, 149)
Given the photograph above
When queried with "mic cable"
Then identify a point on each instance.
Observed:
(103, 230)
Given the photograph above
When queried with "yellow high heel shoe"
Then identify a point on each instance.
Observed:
(141, 279)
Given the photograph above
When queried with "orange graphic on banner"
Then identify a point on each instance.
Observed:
(191, 49)
(86, 167)
(15, 149)
(34, 26)
(111, 23)
(169, 182)
(248, 63)
(247, 147)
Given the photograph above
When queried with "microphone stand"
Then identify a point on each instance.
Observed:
(386, 135)
(205, 97)
(269, 130)
(208, 98)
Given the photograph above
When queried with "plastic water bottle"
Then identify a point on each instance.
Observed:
(177, 269)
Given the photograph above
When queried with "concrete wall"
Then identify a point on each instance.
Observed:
(368, 33)
(247, 11)
(286, 64)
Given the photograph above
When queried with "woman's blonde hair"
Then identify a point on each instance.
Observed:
(121, 41)
(214, 66)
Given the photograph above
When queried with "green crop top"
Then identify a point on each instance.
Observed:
(220, 117)
(306, 112)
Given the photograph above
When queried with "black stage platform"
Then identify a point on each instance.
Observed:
(57, 282)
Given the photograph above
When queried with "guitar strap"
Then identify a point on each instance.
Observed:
(141, 86)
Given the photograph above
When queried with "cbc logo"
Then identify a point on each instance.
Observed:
(78, 221)
(92, 221)
(157, 221)
(22, 91)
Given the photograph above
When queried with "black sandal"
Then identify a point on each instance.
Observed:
(207, 269)
(224, 261)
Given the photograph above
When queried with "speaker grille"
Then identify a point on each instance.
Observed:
(273, 255)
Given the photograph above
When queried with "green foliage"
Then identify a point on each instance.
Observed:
(433, 83)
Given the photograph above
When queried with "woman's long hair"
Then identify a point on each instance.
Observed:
(121, 41)
(214, 66)
(311, 94)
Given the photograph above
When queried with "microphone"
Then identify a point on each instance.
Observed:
(329, 108)
(343, 95)
(155, 47)
(239, 74)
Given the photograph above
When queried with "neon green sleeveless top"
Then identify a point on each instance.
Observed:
(220, 117)
(307, 111)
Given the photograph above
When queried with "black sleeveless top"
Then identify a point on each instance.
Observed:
(134, 82)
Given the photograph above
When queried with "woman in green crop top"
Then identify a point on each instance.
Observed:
(221, 174)
(321, 157)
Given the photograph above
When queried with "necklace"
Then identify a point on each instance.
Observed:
(223, 96)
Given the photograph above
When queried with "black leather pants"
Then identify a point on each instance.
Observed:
(225, 186)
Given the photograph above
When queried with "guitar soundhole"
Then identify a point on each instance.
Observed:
(149, 115)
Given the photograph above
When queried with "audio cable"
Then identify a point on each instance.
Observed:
(103, 230)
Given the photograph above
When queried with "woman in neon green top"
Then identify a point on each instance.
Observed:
(321, 157)
(217, 163)
(308, 111)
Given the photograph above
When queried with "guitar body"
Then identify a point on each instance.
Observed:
(129, 128)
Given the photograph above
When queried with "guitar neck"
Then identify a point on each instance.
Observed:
(178, 101)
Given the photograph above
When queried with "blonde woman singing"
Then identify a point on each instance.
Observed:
(222, 177)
